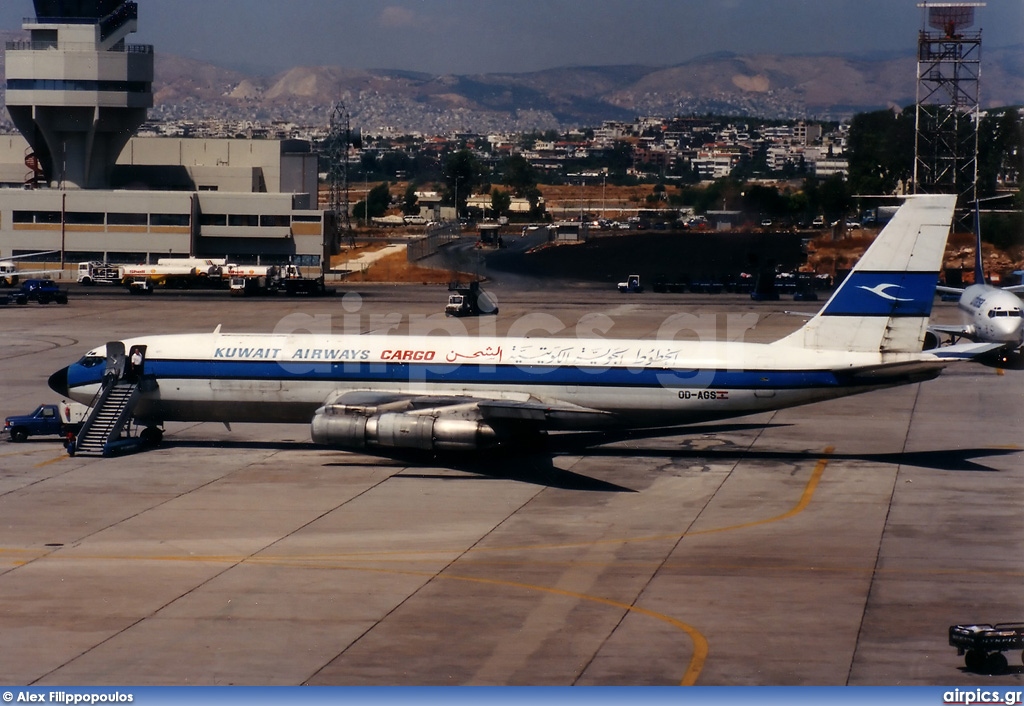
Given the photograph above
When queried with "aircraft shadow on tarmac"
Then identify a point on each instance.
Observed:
(537, 468)
(537, 465)
(961, 460)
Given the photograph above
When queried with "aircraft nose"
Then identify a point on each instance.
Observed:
(1012, 329)
(58, 382)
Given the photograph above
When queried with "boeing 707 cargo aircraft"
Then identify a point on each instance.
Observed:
(445, 393)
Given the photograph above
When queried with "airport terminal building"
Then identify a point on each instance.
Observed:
(77, 182)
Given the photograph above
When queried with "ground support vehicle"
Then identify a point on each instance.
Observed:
(468, 300)
(43, 291)
(313, 287)
(47, 420)
(632, 284)
(139, 285)
(13, 298)
(290, 280)
(8, 274)
(246, 280)
(94, 272)
(983, 645)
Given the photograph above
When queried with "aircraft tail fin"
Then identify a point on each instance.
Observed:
(979, 269)
(884, 303)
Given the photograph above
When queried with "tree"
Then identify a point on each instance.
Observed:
(462, 173)
(881, 151)
(764, 201)
(834, 195)
(376, 203)
(1000, 146)
(501, 201)
(520, 175)
(410, 201)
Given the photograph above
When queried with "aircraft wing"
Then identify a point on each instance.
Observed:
(950, 329)
(31, 255)
(464, 420)
(1016, 288)
(943, 289)
(32, 273)
(542, 413)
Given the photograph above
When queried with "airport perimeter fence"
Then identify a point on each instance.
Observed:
(436, 237)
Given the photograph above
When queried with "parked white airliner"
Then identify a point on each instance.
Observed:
(993, 314)
(467, 393)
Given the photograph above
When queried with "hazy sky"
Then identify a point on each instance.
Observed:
(471, 36)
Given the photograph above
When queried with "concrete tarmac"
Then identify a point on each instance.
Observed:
(827, 544)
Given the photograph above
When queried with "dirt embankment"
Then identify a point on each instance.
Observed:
(827, 255)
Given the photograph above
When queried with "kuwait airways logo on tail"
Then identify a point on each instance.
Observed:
(879, 290)
(875, 293)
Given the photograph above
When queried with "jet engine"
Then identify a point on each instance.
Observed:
(345, 426)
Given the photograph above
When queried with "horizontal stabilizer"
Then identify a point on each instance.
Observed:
(965, 351)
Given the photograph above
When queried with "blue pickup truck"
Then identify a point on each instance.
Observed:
(46, 420)
(43, 291)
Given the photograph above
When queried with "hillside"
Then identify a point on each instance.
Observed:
(763, 85)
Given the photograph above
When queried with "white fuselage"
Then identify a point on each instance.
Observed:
(284, 378)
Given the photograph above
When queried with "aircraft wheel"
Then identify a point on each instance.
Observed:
(996, 663)
(151, 436)
(975, 660)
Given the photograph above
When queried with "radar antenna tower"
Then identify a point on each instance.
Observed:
(947, 113)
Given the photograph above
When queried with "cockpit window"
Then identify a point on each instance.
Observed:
(91, 361)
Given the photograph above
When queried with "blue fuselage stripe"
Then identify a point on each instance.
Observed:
(380, 372)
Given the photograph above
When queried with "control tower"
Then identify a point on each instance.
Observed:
(77, 91)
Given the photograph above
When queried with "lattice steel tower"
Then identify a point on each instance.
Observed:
(336, 150)
(947, 116)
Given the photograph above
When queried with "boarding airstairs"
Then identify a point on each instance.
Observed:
(112, 407)
(108, 419)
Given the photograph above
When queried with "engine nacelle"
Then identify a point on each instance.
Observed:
(343, 426)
